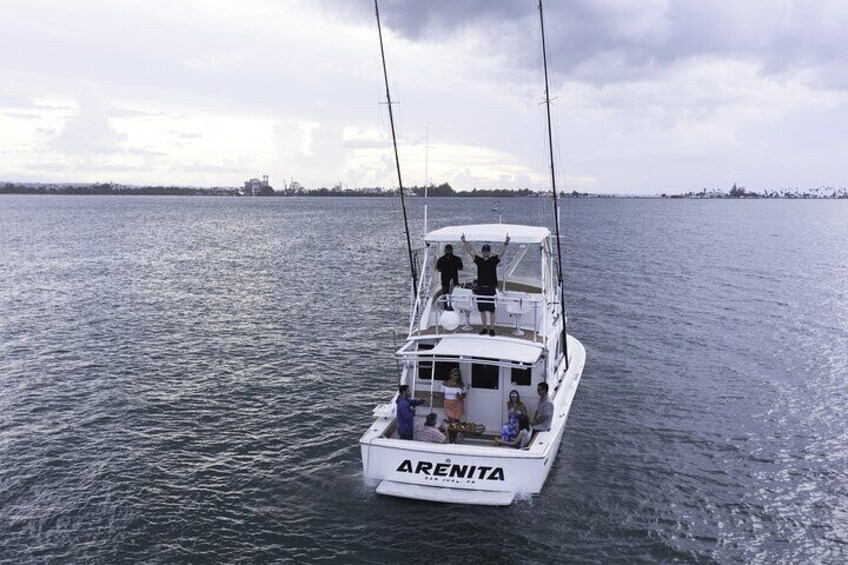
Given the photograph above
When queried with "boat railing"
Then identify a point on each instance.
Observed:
(519, 306)
(425, 282)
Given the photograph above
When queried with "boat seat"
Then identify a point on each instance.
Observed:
(516, 310)
(462, 299)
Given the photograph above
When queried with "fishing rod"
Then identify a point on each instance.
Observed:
(397, 160)
(553, 187)
(426, 177)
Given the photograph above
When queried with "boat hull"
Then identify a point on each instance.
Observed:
(465, 473)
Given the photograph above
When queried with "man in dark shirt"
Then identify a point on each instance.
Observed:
(406, 411)
(487, 281)
(449, 266)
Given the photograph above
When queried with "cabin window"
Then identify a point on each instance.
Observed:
(443, 369)
(425, 368)
(484, 376)
(521, 377)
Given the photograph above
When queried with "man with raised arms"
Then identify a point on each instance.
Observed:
(487, 281)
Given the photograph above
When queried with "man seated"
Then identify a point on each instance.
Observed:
(428, 430)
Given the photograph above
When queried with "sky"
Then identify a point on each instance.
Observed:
(648, 96)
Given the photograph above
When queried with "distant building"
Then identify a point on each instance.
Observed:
(257, 187)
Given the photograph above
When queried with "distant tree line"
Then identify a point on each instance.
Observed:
(109, 188)
(445, 189)
(337, 191)
(738, 191)
(436, 191)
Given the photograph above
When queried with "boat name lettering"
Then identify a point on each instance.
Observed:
(452, 470)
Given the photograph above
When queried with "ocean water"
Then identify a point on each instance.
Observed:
(184, 379)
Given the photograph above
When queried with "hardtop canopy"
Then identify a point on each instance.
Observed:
(490, 233)
(469, 347)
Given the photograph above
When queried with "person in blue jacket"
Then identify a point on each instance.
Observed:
(406, 411)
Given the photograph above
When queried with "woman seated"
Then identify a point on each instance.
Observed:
(524, 434)
(514, 408)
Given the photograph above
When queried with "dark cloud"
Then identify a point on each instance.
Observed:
(435, 18)
(617, 41)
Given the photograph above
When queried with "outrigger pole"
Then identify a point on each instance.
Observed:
(426, 176)
(554, 189)
(397, 160)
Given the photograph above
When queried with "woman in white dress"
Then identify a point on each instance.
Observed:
(453, 391)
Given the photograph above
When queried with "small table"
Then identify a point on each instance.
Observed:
(457, 430)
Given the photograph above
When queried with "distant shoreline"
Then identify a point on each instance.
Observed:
(443, 191)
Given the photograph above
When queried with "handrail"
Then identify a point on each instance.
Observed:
(504, 300)
(417, 307)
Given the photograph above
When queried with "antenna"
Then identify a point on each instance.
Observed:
(397, 160)
(426, 177)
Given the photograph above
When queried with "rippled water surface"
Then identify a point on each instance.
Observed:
(186, 379)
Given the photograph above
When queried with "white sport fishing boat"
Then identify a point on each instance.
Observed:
(530, 346)
(526, 350)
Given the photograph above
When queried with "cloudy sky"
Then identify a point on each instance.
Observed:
(649, 95)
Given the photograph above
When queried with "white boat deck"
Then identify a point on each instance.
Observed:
(500, 331)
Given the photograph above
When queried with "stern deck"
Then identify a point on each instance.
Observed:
(445, 495)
